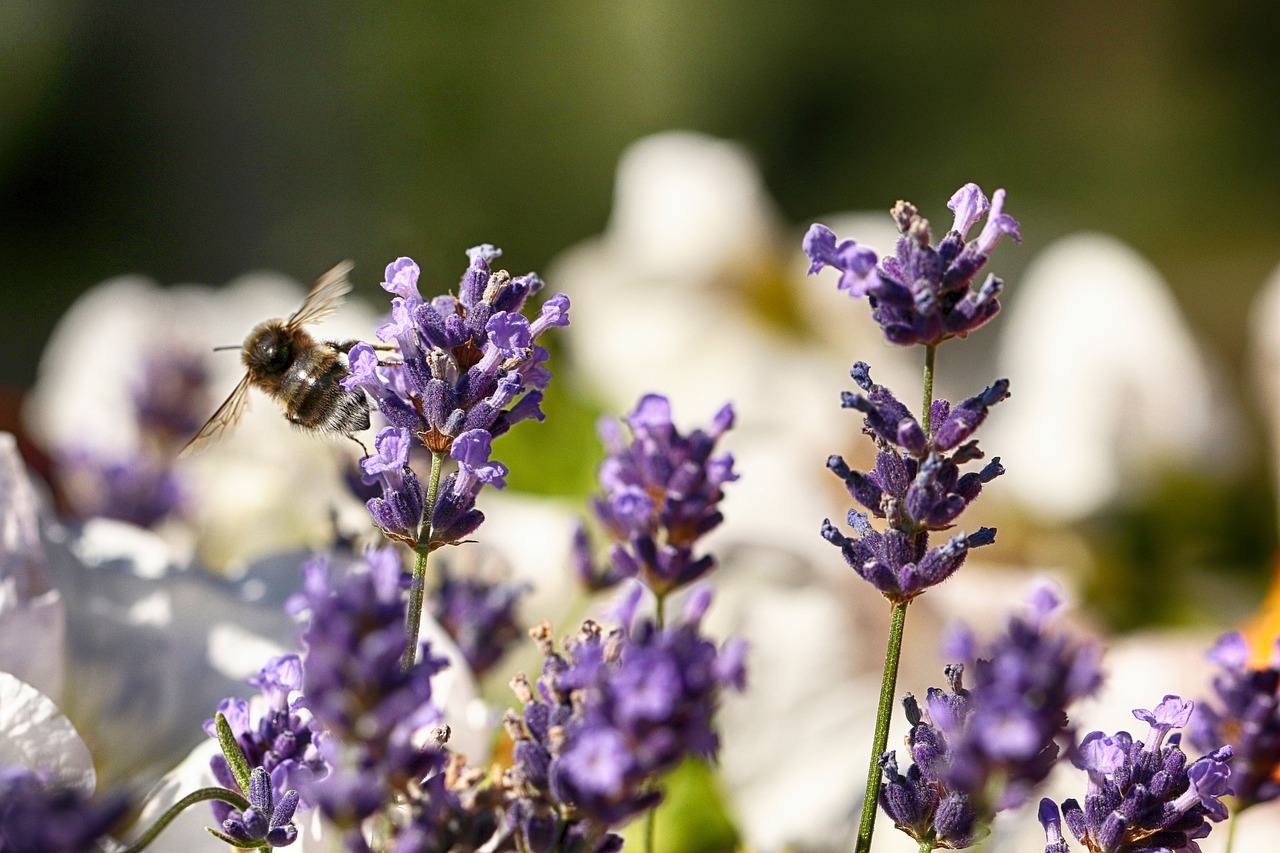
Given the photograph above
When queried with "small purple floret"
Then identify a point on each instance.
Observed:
(662, 491)
(922, 294)
(1245, 713)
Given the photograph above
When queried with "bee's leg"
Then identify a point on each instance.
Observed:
(345, 346)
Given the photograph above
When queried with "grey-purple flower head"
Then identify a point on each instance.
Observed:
(42, 816)
(618, 708)
(276, 733)
(1141, 794)
(1245, 713)
(662, 492)
(916, 487)
(479, 614)
(922, 295)
(1007, 727)
(141, 486)
(267, 820)
(358, 690)
(465, 365)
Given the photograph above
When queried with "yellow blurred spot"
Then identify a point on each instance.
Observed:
(1261, 629)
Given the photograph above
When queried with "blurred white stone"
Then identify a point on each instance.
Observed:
(683, 204)
(1109, 386)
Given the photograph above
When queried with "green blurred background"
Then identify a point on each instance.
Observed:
(192, 142)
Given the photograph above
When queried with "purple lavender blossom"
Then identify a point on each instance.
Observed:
(399, 510)
(922, 295)
(1142, 795)
(266, 820)
(611, 714)
(456, 351)
(274, 732)
(662, 492)
(480, 616)
(40, 816)
(374, 709)
(916, 487)
(139, 488)
(466, 365)
(1246, 715)
(1008, 728)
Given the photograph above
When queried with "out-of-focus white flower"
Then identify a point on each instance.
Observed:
(265, 488)
(32, 615)
(35, 734)
(1109, 386)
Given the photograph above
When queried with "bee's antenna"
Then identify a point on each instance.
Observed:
(229, 346)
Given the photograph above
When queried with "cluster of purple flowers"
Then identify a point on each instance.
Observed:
(401, 510)
(916, 487)
(380, 717)
(468, 369)
(662, 492)
(479, 615)
(277, 735)
(608, 716)
(266, 820)
(39, 816)
(142, 488)
(1142, 795)
(922, 295)
(1246, 716)
(1007, 728)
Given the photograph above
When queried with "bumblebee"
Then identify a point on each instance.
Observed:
(301, 373)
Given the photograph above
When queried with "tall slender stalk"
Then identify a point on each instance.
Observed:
(1232, 822)
(930, 354)
(226, 796)
(883, 712)
(893, 654)
(413, 621)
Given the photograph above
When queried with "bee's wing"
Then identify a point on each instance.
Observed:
(222, 420)
(325, 296)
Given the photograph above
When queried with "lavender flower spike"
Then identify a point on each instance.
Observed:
(612, 713)
(1244, 712)
(38, 815)
(982, 749)
(265, 820)
(662, 492)
(917, 487)
(1144, 798)
(922, 294)
(463, 363)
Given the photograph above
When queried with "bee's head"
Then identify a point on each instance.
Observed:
(269, 349)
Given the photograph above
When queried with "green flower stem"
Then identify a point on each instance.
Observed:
(1232, 822)
(417, 588)
(883, 712)
(223, 794)
(651, 821)
(930, 353)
